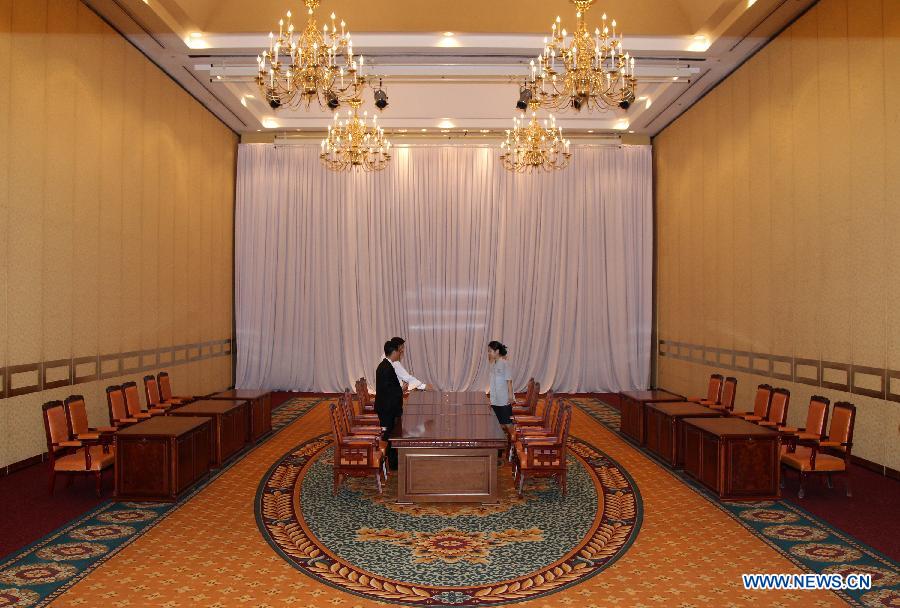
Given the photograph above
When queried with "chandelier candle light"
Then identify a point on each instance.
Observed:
(535, 145)
(316, 64)
(584, 69)
(353, 144)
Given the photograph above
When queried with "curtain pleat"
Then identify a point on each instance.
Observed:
(449, 250)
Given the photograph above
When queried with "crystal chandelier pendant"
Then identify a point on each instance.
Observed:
(312, 64)
(353, 144)
(584, 70)
(535, 146)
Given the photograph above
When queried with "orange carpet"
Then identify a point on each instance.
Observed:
(210, 553)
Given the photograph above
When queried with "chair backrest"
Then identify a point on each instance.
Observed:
(565, 421)
(817, 415)
(762, 401)
(151, 390)
(778, 407)
(76, 411)
(714, 391)
(56, 426)
(362, 393)
(336, 424)
(165, 385)
(115, 401)
(132, 398)
(729, 388)
(843, 418)
(551, 409)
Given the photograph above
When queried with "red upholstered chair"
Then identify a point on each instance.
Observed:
(70, 456)
(760, 404)
(76, 411)
(527, 404)
(133, 403)
(544, 456)
(778, 409)
(829, 456)
(816, 417)
(713, 391)
(118, 409)
(356, 455)
(726, 403)
(366, 424)
(534, 419)
(154, 399)
(165, 390)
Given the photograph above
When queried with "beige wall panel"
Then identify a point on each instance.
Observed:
(891, 422)
(760, 205)
(834, 182)
(867, 173)
(149, 320)
(165, 238)
(5, 42)
(870, 431)
(111, 244)
(892, 188)
(742, 241)
(783, 261)
(27, 160)
(59, 182)
(132, 189)
(180, 227)
(805, 156)
(694, 206)
(724, 233)
(88, 162)
(194, 214)
(710, 224)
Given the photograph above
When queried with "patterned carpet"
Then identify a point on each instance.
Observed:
(208, 550)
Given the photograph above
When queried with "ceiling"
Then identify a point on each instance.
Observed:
(451, 69)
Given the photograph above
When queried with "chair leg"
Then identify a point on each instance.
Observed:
(562, 483)
(801, 492)
(378, 482)
(521, 483)
(828, 482)
(847, 485)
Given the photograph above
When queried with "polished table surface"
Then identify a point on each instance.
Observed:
(448, 425)
(240, 393)
(209, 406)
(683, 409)
(469, 397)
(724, 427)
(163, 425)
(652, 396)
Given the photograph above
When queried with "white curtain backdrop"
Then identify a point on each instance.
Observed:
(449, 250)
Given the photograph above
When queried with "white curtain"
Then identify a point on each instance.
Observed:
(449, 250)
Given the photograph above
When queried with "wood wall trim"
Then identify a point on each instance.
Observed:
(148, 359)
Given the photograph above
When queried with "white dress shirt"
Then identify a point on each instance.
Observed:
(412, 382)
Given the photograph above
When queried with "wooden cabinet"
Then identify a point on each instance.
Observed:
(230, 425)
(664, 428)
(260, 409)
(736, 459)
(160, 458)
(633, 404)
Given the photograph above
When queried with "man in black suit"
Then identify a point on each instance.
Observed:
(388, 396)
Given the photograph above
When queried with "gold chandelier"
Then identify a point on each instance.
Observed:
(316, 64)
(534, 146)
(353, 144)
(584, 70)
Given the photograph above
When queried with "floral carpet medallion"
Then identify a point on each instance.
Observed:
(448, 554)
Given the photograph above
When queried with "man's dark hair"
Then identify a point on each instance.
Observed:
(398, 341)
(390, 348)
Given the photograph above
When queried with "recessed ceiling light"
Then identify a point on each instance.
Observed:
(403, 130)
(445, 130)
(750, 3)
(674, 77)
(485, 130)
(424, 130)
(590, 130)
(631, 131)
(196, 35)
(446, 123)
(448, 34)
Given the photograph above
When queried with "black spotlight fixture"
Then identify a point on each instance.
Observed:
(333, 102)
(577, 103)
(381, 98)
(275, 103)
(626, 103)
(524, 98)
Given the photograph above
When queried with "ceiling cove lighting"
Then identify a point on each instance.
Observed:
(584, 70)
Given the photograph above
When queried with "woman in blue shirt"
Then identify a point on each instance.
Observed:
(502, 396)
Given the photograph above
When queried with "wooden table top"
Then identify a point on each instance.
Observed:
(432, 397)
(724, 427)
(652, 396)
(448, 426)
(682, 409)
(208, 407)
(240, 393)
(173, 426)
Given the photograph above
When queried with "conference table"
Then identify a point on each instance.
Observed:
(447, 447)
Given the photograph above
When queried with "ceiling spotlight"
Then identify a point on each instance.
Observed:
(333, 102)
(381, 98)
(524, 98)
(448, 34)
(275, 103)
(424, 130)
(485, 130)
(626, 103)
(578, 103)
